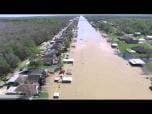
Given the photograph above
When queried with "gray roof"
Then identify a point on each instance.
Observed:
(11, 97)
(33, 79)
(27, 89)
(36, 72)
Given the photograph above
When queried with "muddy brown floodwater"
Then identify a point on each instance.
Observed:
(98, 73)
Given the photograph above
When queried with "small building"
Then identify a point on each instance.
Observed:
(66, 79)
(34, 76)
(56, 95)
(56, 79)
(11, 91)
(73, 46)
(131, 51)
(104, 35)
(68, 60)
(136, 62)
(137, 33)
(28, 89)
(105, 22)
(24, 89)
(69, 72)
(114, 45)
(148, 37)
(13, 79)
(52, 42)
(141, 40)
(11, 97)
(16, 80)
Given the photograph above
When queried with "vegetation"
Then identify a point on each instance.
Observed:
(19, 39)
(149, 66)
(42, 95)
(35, 63)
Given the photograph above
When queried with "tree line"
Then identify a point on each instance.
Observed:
(19, 38)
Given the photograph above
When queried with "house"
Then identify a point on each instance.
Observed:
(105, 22)
(114, 45)
(52, 42)
(66, 79)
(56, 95)
(13, 78)
(137, 33)
(28, 89)
(16, 80)
(131, 41)
(69, 72)
(136, 62)
(131, 51)
(34, 76)
(73, 46)
(148, 37)
(104, 35)
(141, 40)
(51, 60)
(57, 46)
(24, 89)
(68, 60)
(51, 57)
(11, 97)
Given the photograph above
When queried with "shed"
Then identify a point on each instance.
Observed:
(141, 40)
(66, 79)
(136, 62)
(13, 79)
(148, 37)
(114, 45)
(137, 33)
(68, 60)
(11, 91)
(56, 95)
(131, 51)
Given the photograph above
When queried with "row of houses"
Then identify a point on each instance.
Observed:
(56, 47)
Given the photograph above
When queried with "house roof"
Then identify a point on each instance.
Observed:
(136, 61)
(28, 89)
(14, 78)
(11, 90)
(33, 79)
(36, 72)
(34, 76)
(149, 37)
(13, 97)
(47, 60)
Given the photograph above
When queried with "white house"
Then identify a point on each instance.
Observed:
(114, 45)
(136, 62)
(148, 37)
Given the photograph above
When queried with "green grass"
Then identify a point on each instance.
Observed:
(113, 37)
(149, 66)
(140, 36)
(123, 46)
(42, 95)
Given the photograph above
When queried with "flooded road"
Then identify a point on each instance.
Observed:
(100, 74)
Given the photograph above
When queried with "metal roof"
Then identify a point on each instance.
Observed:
(136, 61)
